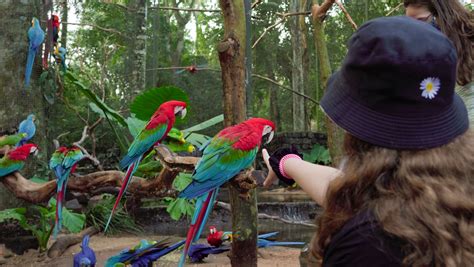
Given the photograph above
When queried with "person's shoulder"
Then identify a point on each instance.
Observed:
(362, 242)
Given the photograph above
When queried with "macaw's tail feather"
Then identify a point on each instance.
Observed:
(267, 235)
(85, 241)
(265, 243)
(203, 208)
(128, 177)
(29, 66)
(59, 207)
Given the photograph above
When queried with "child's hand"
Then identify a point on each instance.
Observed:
(271, 177)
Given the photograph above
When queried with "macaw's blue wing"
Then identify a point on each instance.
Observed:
(198, 252)
(143, 142)
(154, 253)
(219, 163)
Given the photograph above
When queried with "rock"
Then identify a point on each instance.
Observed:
(73, 205)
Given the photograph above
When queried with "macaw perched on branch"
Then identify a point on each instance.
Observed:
(143, 254)
(226, 155)
(27, 126)
(216, 238)
(198, 252)
(15, 160)
(55, 19)
(154, 132)
(63, 162)
(60, 56)
(36, 37)
(11, 140)
(85, 258)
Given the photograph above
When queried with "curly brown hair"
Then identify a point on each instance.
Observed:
(423, 197)
(458, 24)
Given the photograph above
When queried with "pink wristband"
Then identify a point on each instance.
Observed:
(282, 161)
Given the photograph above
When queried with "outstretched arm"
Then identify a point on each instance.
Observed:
(314, 179)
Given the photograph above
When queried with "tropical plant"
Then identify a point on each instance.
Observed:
(97, 216)
(318, 154)
(40, 220)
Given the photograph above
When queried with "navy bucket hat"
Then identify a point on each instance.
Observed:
(396, 85)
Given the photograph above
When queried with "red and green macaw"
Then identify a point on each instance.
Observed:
(228, 153)
(11, 140)
(216, 238)
(15, 159)
(63, 162)
(36, 37)
(154, 132)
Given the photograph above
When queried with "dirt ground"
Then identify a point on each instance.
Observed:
(105, 247)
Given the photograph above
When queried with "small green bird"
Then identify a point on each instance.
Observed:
(11, 140)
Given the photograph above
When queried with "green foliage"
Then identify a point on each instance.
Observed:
(180, 207)
(135, 125)
(148, 102)
(106, 111)
(98, 214)
(205, 124)
(318, 154)
(48, 85)
(40, 220)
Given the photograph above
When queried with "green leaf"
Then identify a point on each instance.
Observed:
(176, 135)
(182, 180)
(74, 222)
(318, 154)
(146, 103)
(205, 124)
(198, 140)
(39, 180)
(135, 125)
(180, 207)
(15, 214)
(95, 99)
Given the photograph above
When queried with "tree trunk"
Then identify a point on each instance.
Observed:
(63, 30)
(137, 49)
(334, 133)
(17, 102)
(152, 74)
(298, 42)
(232, 54)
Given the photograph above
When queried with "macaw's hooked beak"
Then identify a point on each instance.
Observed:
(267, 138)
(182, 113)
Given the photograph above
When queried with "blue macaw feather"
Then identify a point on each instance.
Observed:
(198, 252)
(36, 38)
(214, 194)
(87, 256)
(144, 254)
(27, 126)
(263, 243)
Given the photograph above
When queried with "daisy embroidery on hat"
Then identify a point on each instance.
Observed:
(430, 87)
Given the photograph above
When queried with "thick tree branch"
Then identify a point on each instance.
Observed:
(348, 16)
(64, 242)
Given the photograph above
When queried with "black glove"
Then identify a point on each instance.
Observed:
(274, 161)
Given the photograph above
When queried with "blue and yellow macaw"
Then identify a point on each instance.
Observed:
(154, 132)
(60, 56)
(227, 154)
(63, 162)
(27, 126)
(36, 37)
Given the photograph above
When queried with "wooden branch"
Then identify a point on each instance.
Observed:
(267, 29)
(226, 206)
(256, 3)
(394, 9)
(348, 16)
(64, 242)
(114, 31)
(186, 9)
(320, 11)
(33, 192)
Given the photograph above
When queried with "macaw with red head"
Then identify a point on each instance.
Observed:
(15, 159)
(154, 132)
(216, 238)
(55, 19)
(227, 154)
(63, 162)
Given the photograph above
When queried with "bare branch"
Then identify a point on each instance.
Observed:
(320, 11)
(186, 9)
(348, 16)
(394, 9)
(256, 3)
(114, 31)
(285, 87)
